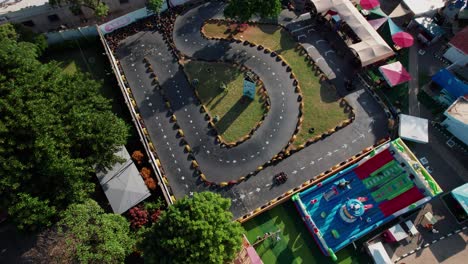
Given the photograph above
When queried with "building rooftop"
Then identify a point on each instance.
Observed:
(7, 6)
(419, 7)
(459, 110)
(460, 40)
(372, 47)
(387, 183)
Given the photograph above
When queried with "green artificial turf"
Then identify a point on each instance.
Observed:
(237, 115)
(296, 245)
(321, 108)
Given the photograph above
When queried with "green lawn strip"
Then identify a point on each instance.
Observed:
(236, 117)
(296, 244)
(321, 108)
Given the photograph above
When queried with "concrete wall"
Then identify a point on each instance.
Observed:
(38, 19)
(71, 34)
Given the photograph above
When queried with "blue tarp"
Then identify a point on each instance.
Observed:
(454, 86)
(461, 195)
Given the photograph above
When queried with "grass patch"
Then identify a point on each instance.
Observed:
(321, 108)
(296, 245)
(237, 116)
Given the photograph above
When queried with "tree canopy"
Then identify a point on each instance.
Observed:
(245, 9)
(194, 230)
(54, 129)
(155, 5)
(98, 6)
(93, 236)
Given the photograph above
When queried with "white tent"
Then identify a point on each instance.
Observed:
(424, 7)
(372, 47)
(414, 128)
(379, 254)
(123, 184)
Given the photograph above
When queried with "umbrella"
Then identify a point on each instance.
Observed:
(394, 29)
(394, 73)
(369, 4)
(377, 23)
(403, 39)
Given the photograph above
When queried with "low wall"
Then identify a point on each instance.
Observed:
(71, 34)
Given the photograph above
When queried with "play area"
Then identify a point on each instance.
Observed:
(185, 89)
(387, 183)
(290, 241)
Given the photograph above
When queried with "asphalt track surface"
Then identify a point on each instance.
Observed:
(223, 164)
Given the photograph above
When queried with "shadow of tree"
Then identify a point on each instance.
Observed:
(233, 113)
(327, 92)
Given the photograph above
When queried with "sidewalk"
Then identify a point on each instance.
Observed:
(449, 250)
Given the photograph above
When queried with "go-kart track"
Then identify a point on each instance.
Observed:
(218, 163)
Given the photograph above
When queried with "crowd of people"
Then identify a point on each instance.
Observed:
(163, 23)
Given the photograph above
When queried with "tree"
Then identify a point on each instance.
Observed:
(194, 230)
(31, 212)
(245, 9)
(93, 236)
(99, 8)
(19, 32)
(155, 5)
(55, 129)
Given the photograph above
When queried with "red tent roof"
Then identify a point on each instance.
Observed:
(460, 40)
(394, 73)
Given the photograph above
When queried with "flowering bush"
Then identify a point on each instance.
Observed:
(155, 216)
(138, 217)
(150, 183)
(145, 173)
(138, 156)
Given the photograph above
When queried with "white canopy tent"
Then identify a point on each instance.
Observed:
(123, 184)
(414, 128)
(424, 7)
(372, 47)
(379, 254)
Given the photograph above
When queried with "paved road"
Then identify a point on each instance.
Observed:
(366, 130)
(451, 250)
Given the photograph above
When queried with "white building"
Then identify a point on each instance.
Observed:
(42, 17)
(458, 51)
(457, 119)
